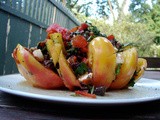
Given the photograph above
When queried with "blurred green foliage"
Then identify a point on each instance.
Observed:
(141, 26)
(126, 31)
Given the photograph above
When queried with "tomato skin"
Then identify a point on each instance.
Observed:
(110, 37)
(83, 26)
(69, 79)
(79, 41)
(34, 72)
(85, 94)
(84, 49)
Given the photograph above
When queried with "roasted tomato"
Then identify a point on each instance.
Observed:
(67, 74)
(34, 71)
(127, 69)
(102, 60)
(140, 68)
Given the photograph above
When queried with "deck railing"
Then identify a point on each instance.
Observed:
(153, 63)
(25, 22)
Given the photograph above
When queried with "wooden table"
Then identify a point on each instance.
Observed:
(18, 108)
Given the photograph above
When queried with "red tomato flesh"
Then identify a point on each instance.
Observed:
(79, 41)
(85, 94)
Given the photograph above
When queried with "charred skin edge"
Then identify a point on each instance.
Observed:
(127, 69)
(102, 60)
(67, 74)
(34, 72)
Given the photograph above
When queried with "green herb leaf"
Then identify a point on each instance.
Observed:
(72, 51)
(131, 82)
(81, 69)
(92, 90)
(118, 68)
(95, 30)
(75, 95)
(125, 46)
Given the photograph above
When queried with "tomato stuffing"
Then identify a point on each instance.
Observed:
(79, 41)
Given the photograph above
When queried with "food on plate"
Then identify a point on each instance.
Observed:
(81, 59)
(127, 70)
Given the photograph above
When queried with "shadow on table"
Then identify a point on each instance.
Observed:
(33, 109)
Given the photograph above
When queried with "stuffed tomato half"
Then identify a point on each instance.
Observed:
(80, 59)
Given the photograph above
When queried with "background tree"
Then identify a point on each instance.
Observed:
(149, 14)
(98, 8)
(141, 26)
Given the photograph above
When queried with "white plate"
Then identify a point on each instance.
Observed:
(144, 90)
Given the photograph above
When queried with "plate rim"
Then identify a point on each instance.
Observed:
(87, 101)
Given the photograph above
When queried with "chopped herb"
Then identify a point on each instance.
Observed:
(118, 68)
(95, 30)
(81, 69)
(69, 44)
(131, 82)
(72, 51)
(125, 46)
(90, 38)
(90, 89)
(75, 95)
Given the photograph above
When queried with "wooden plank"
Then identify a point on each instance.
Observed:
(65, 11)
(8, 2)
(39, 10)
(26, 4)
(23, 16)
(61, 19)
(46, 14)
(19, 30)
(43, 34)
(67, 23)
(24, 10)
(3, 34)
(54, 14)
(71, 24)
(43, 10)
(153, 62)
(27, 7)
(35, 35)
(17, 2)
(57, 18)
(19, 7)
(13, 2)
(49, 14)
(35, 9)
(32, 5)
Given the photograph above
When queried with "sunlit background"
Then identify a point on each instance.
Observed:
(136, 21)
